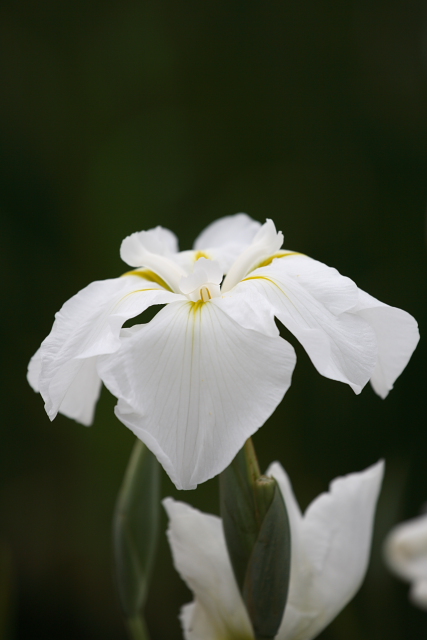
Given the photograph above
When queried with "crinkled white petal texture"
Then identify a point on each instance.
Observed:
(405, 551)
(397, 335)
(314, 302)
(330, 551)
(64, 369)
(194, 384)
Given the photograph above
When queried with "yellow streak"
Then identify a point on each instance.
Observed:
(268, 280)
(261, 278)
(200, 254)
(136, 291)
(279, 254)
(196, 307)
(151, 276)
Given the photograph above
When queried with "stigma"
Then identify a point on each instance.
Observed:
(205, 294)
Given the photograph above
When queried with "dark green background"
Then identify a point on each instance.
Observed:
(119, 116)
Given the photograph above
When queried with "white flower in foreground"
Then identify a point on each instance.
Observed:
(330, 547)
(210, 368)
(405, 551)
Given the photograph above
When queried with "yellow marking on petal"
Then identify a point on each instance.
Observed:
(196, 306)
(117, 304)
(268, 280)
(259, 278)
(149, 275)
(137, 291)
(205, 294)
(279, 254)
(200, 254)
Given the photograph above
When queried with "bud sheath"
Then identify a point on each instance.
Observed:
(256, 529)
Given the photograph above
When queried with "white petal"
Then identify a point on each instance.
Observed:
(196, 623)
(83, 393)
(88, 325)
(294, 512)
(249, 309)
(418, 594)
(397, 336)
(200, 556)
(224, 256)
(299, 614)
(223, 240)
(266, 243)
(238, 230)
(329, 555)
(194, 385)
(406, 549)
(336, 539)
(187, 260)
(205, 272)
(158, 240)
(311, 300)
(34, 370)
(151, 249)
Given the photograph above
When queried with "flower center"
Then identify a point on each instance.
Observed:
(204, 283)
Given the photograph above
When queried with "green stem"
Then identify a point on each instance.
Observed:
(251, 460)
(137, 628)
(132, 468)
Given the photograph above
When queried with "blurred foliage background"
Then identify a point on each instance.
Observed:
(117, 117)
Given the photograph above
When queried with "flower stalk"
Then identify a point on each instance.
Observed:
(137, 628)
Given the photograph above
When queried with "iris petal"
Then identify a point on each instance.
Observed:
(312, 300)
(333, 550)
(193, 384)
(89, 325)
(397, 336)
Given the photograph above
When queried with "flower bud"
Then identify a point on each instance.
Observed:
(256, 529)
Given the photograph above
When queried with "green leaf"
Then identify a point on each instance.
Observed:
(135, 529)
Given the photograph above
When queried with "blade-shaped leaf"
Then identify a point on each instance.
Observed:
(135, 528)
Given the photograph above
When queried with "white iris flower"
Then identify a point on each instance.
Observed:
(405, 551)
(330, 547)
(210, 368)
